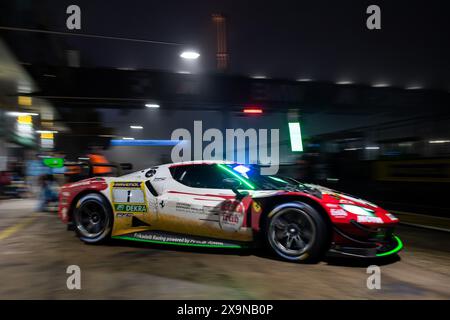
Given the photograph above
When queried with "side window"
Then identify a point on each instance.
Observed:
(199, 176)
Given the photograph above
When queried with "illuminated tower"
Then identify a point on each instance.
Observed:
(220, 24)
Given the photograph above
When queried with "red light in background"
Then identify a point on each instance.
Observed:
(253, 110)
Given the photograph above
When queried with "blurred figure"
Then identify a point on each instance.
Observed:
(49, 192)
(97, 158)
(5, 181)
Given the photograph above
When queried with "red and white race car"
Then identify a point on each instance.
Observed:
(227, 205)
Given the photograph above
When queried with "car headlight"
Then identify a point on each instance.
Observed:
(357, 210)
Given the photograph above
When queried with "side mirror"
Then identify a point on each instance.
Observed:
(234, 184)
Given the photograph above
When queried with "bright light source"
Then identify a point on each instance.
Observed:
(344, 82)
(242, 170)
(46, 131)
(253, 110)
(372, 148)
(152, 105)
(304, 80)
(295, 134)
(380, 85)
(183, 72)
(137, 127)
(414, 88)
(18, 114)
(190, 55)
(127, 138)
(439, 141)
(352, 149)
(259, 76)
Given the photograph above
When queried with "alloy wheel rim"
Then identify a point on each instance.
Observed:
(292, 232)
(91, 219)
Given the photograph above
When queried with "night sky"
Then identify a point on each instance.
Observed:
(320, 40)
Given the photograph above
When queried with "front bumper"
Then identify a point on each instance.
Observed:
(387, 248)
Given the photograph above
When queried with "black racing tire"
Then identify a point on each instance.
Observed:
(93, 219)
(295, 231)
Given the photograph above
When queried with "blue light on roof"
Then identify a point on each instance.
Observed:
(242, 170)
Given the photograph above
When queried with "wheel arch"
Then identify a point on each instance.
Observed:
(270, 203)
(81, 195)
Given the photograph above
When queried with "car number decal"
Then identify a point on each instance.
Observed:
(128, 197)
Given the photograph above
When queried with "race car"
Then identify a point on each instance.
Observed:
(220, 204)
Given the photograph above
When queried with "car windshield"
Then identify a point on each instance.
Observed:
(251, 178)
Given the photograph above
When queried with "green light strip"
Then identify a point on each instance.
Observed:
(295, 136)
(396, 249)
(277, 179)
(248, 184)
(230, 246)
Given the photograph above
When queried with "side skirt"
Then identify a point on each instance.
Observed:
(160, 237)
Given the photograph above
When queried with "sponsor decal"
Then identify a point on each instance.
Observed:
(162, 204)
(369, 219)
(231, 215)
(124, 215)
(338, 213)
(161, 237)
(256, 207)
(121, 207)
(332, 205)
(128, 197)
(150, 173)
(184, 207)
(123, 184)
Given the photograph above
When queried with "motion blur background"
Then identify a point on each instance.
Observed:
(373, 106)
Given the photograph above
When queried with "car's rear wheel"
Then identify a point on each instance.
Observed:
(297, 232)
(93, 219)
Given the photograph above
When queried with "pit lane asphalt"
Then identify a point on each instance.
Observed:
(34, 257)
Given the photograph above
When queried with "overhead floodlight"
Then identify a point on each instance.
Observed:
(259, 76)
(439, 141)
(18, 114)
(414, 88)
(380, 85)
(46, 131)
(344, 82)
(295, 135)
(190, 55)
(127, 138)
(137, 127)
(152, 105)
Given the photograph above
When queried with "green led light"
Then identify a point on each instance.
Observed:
(396, 249)
(248, 184)
(228, 246)
(277, 179)
(295, 136)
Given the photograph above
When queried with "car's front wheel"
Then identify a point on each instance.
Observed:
(297, 232)
(92, 218)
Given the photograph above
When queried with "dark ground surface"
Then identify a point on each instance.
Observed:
(36, 250)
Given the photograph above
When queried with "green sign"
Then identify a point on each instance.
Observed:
(53, 162)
